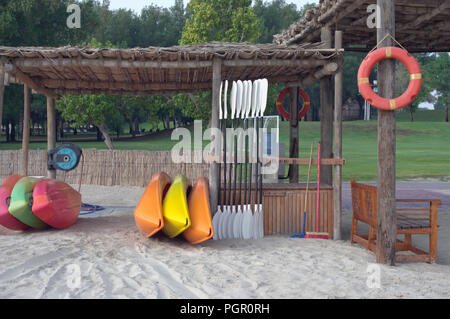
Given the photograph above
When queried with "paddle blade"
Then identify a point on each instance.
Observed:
(220, 101)
(264, 92)
(249, 98)
(254, 97)
(216, 223)
(225, 96)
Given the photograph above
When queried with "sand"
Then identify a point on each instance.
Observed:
(105, 256)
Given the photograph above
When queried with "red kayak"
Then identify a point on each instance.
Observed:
(6, 219)
(56, 203)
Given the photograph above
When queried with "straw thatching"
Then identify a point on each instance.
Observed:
(179, 69)
(421, 25)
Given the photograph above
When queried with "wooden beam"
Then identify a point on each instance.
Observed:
(337, 180)
(26, 130)
(326, 116)
(417, 21)
(126, 86)
(51, 130)
(116, 64)
(328, 69)
(25, 79)
(122, 92)
(214, 182)
(305, 161)
(385, 253)
(293, 135)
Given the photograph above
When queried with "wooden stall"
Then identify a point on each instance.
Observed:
(56, 72)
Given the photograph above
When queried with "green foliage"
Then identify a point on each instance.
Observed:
(82, 109)
(276, 16)
(438, 76)
(220, 20)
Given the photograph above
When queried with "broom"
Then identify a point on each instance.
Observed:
(317, 234)
(302, 235)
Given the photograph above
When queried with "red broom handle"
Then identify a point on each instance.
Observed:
(318, 189)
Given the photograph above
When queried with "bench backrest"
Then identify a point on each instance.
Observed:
(364, 202)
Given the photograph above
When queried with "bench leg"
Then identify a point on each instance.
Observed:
(433, 246)
(354, 230)
(372, 237)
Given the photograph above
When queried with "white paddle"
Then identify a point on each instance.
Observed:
(247, 215)
(226, 209)
(216, 217)
(240, 89)
(237, 223)
(264, 91)
(256, 154)
(228, 216)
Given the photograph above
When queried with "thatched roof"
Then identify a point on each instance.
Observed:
(421, 25)
(154, 70)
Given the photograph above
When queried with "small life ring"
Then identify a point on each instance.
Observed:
(303, 111)
(415, 82)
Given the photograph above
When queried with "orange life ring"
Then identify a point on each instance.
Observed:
(303, 111)
(411, 64)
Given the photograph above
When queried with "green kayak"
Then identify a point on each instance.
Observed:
(21, 202)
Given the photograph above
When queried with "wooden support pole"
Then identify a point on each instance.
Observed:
(386, 143)
(2, 94)
(326, 115)
(26, 129)
(337, 180)
(293, 134)
(214, 183)
(51, 130)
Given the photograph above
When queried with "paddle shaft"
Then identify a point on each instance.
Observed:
(261, 177)
(224, 162)
(257, 161)
(220, 171)
(235, 141)
(231, 167)
(245, 160)
(241, 168)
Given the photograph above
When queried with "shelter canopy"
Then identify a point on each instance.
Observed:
(179, 69)
(421, 25)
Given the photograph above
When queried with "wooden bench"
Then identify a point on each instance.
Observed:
(409, 221)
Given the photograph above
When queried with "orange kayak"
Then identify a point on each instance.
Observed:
(148, 213)
(199, 210)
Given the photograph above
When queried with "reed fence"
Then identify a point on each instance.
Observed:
(108, 168)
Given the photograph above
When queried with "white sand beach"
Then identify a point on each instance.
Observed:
(105, 256)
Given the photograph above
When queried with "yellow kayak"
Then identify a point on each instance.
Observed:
(200, 212)
(175, 208)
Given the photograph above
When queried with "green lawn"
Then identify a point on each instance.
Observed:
(423, 148)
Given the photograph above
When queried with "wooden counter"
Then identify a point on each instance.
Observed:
(283, 206)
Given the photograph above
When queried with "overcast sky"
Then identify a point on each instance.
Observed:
(137, 5)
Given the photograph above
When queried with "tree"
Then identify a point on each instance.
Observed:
(220, 20)
(439, 79)
(91, 109)
(275, 16)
